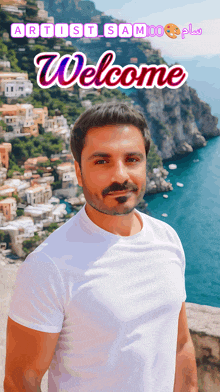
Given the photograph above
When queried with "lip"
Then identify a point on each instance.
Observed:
(118, 193)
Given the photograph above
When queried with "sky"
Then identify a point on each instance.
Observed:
(201, 14)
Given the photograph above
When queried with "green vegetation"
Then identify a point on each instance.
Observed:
(153, 159)
(56, 184)
(34, 146)
(160, 127)
(31, 244)
(17, 198)
(3, 125)
(53, 226)
(20, 212)
(186, 114)
(4, 237)
(67, 216)
(144, 45)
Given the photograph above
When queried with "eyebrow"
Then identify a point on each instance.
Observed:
(105, 155)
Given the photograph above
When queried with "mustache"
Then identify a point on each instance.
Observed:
(115, 187)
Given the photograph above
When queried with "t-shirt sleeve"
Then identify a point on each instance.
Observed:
(39, 294)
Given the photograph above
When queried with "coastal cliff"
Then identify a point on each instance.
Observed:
(178, 120)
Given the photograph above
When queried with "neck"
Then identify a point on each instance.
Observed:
(123, 225)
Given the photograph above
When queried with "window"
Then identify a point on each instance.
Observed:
(12, 88)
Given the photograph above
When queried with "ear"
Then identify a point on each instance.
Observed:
(78, 173)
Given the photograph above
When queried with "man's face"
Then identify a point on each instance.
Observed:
(113, 168)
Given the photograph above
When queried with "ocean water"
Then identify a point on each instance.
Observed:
(194, 212)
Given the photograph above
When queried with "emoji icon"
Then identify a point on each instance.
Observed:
(171, 30)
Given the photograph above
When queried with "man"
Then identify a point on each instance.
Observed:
(101, 301)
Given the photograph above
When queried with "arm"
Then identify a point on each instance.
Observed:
(28, 356)
(186, 371)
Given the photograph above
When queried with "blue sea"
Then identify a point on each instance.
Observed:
(194, 212)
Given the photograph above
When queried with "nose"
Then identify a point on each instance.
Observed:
(120, 173)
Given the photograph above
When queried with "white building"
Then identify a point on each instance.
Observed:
(12, 9)
(24, 116)
(59, 212)
(58, 126)
(4, 64)
(38, 194)
(40, 212)
(46, 213)
(19, 87)
(20, 230)
(19, 185)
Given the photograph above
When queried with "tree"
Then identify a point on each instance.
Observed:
(20, 212)
(30, 244)
(153, 158)
(53, 226)
(2, 235)
(9, 128)
(40, 171)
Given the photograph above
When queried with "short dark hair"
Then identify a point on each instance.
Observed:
(103, 114)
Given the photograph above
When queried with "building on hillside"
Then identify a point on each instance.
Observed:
(38, 194)
(43, 180)
(27, 174)
(5, 65)
(40, 212)
(69, 179)
(31, 163)
(9, 207)
(18, 88)
(20, 230)
(66, 173)
(12, 9)
(5, 149)
(3, 174)
(40, 115)
(46, 213)
(6, 190)
(59, 127)
(2, 219)
(59, 212)
(64, 167)
(19, 185)
(20, 116)
(6, 77)
(54, 123)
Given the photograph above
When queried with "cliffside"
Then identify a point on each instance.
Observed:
(179, 121)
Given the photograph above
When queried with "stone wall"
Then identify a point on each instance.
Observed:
(204, 326)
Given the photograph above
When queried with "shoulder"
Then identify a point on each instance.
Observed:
(61, 239)
(160, 229)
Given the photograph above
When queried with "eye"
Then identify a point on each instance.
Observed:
(100, 161)
(132, 160)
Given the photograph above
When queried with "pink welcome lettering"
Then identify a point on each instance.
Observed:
(104, 74)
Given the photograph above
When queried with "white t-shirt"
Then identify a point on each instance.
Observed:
(115, 301)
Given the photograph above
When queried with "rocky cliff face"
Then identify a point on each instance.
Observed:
(179, 121)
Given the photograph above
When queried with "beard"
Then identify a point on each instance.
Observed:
(121, 204)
